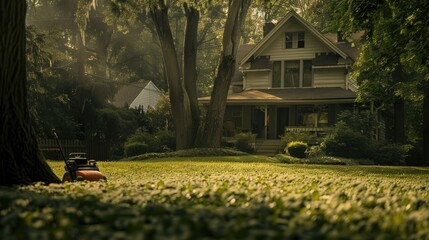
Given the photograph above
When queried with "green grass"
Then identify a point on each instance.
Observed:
(247, 197)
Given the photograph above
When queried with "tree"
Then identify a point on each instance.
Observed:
(211, 132)
(20, 158)
(179, 97)
(394, 54)
(182, 80)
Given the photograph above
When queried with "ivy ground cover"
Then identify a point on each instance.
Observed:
(246, 197)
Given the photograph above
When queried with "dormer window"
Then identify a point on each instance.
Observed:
(294, 40)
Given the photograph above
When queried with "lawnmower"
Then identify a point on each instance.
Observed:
(78, 167)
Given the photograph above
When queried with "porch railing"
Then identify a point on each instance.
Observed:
(308, 129)
(319, 131)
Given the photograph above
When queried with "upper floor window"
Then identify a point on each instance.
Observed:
(294, 73)
(288, 40)
(291, 73)
(301, 39)
(295, 40)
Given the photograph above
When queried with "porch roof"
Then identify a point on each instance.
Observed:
(292, 96)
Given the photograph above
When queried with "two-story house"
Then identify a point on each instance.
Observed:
(295, 78)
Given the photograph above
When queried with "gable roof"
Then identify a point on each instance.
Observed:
(126, 94)
(312, 29)
(243, 49)
(347, 47)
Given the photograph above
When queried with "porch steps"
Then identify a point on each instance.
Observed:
(267, 147)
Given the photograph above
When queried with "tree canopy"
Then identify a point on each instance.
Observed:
(393, 64)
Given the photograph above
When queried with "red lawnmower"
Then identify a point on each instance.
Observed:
(78, 167)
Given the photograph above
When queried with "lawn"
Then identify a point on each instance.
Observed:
(247, 197)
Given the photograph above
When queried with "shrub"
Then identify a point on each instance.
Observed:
(296, 149)
(135, 148)
(363, 122)
(227, 143)
(166, 140)
(344, 142)
(315, 151)
(243, 142)
(140, 136)
(390, 154)
(298, 136)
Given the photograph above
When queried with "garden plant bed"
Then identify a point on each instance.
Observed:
(250, 197)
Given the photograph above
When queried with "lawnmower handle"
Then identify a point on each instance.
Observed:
(68, 167)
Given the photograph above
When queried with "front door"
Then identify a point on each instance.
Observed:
(258, 121)
(282, 120)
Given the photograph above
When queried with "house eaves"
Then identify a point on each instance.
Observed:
(312, 29)
(289, 96)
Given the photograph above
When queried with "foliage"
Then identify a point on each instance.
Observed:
(160, 117)
(244, 142)
(220, 200)
(390, 154)
(392, 65)
(47, 87)
(315, 151)
(166, 140)
(296, 149)
(113, 125)
(345, 142)
(161, 141)
(301, 136)
(359, 121)
(135, 148)
(145, 137)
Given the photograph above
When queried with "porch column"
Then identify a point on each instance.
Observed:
(266, 122)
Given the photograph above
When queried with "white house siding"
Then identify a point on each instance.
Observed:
(257, 80)
(332, 77)
(149, 96)
(275, 48)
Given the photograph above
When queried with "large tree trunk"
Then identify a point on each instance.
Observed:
(190, 64)
(211, 133)
(21, 161)
(426, 130)
(179, 100)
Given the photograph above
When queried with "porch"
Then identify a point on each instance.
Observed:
(271, 147)
(271, 122)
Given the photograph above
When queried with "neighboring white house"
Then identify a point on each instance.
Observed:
(137, 94)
